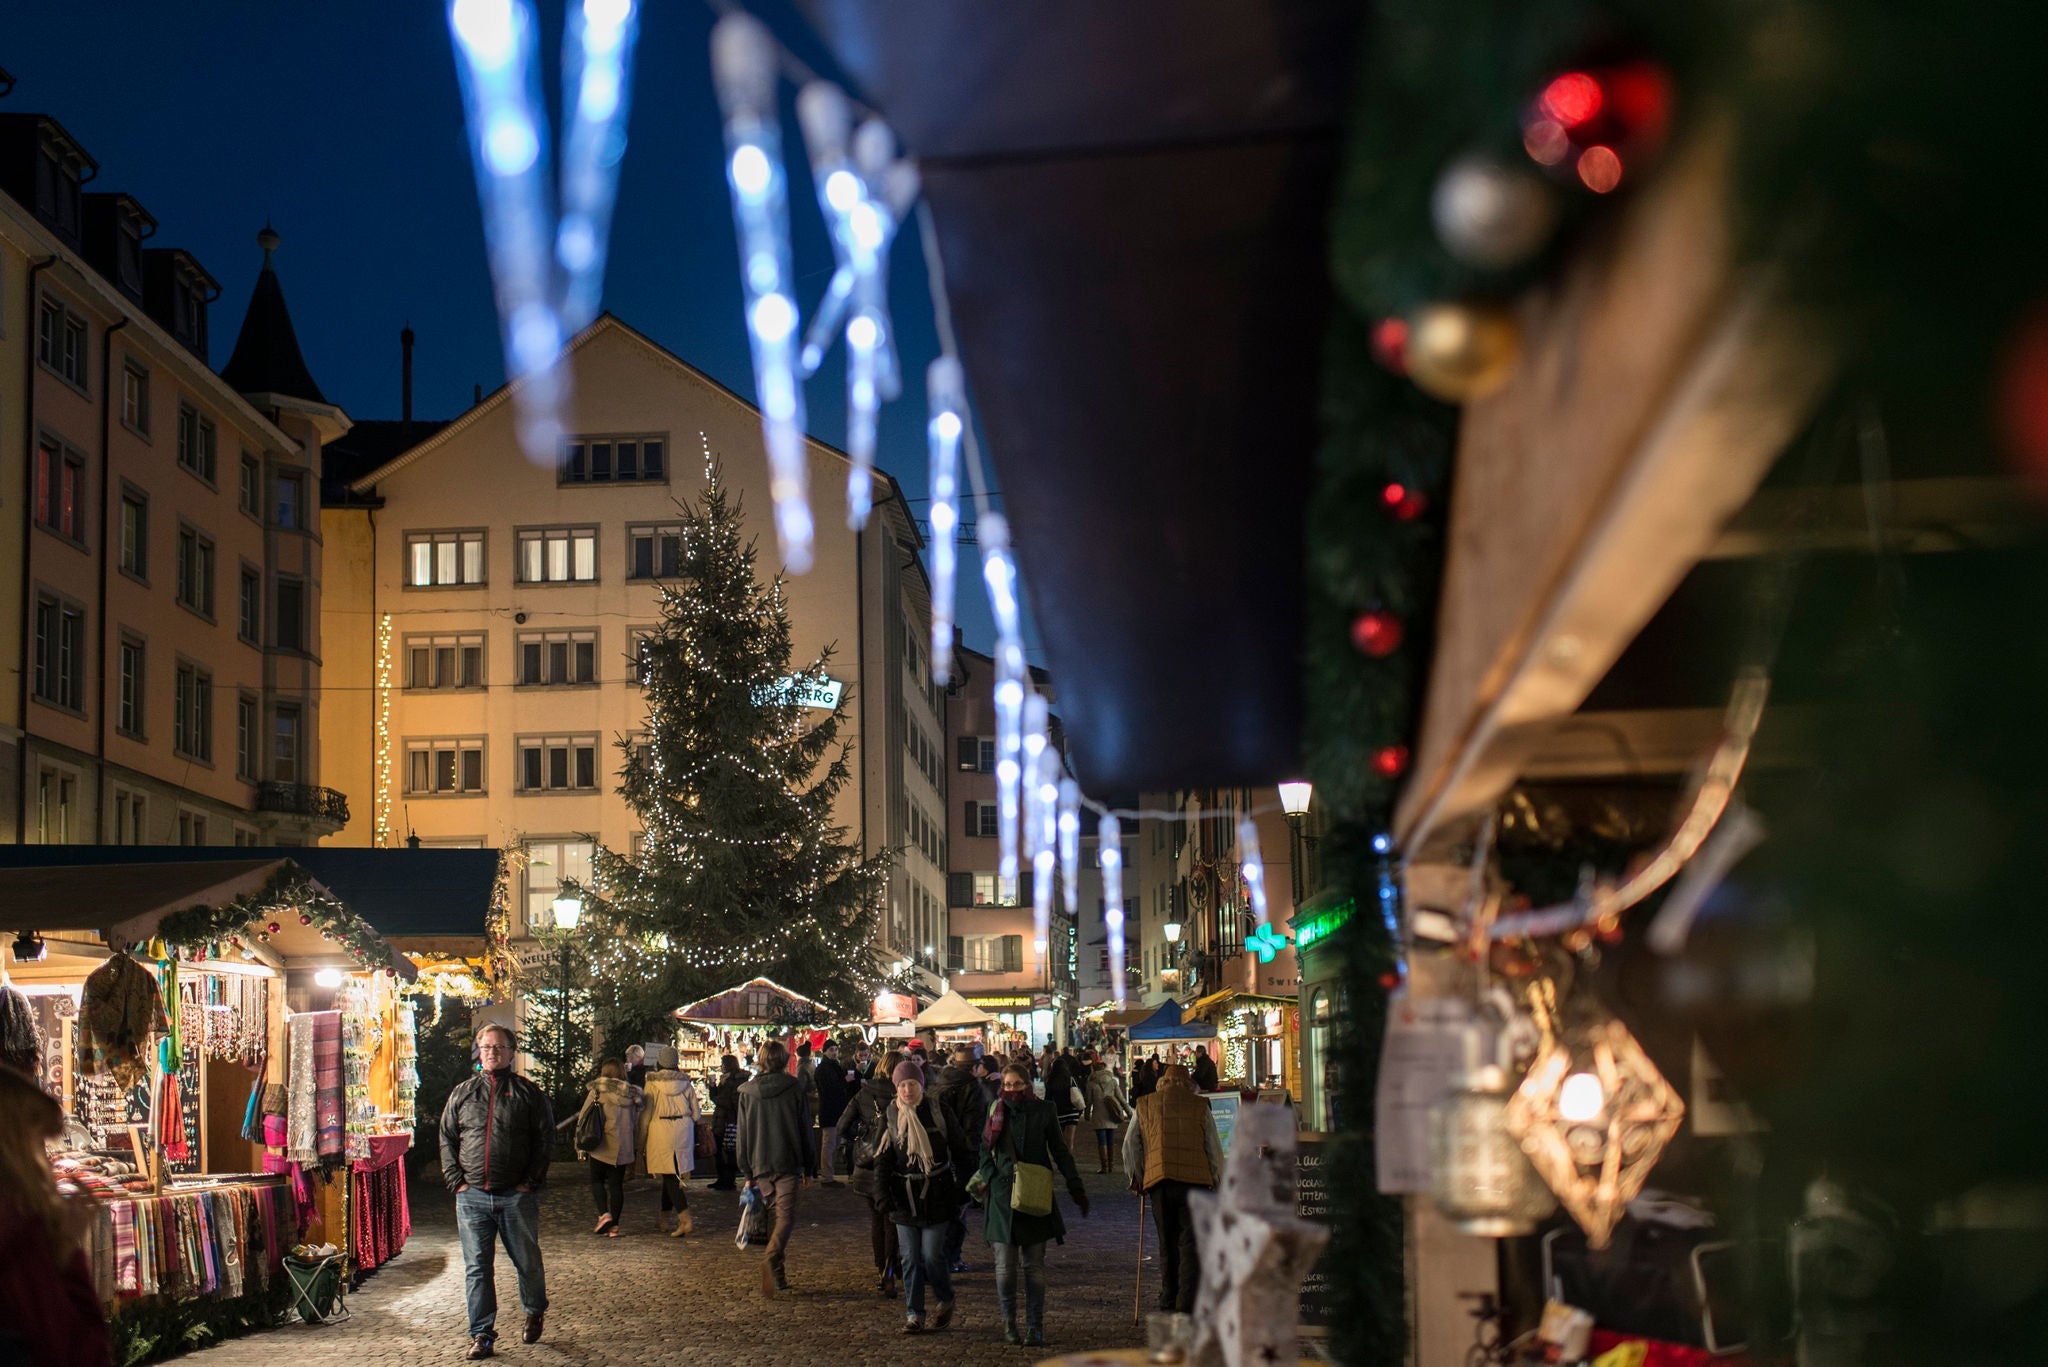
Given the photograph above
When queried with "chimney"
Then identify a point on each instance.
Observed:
(405, 372)
(477, 396)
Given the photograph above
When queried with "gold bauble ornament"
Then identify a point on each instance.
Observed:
(1461, 352)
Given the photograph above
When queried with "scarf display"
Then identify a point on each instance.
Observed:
(329, 1116)
(274, 1137)
(301, 1085)
(219, 1241)
(170, 1121)
(120, 1011)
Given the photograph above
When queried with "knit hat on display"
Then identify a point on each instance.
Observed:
(907, 1072)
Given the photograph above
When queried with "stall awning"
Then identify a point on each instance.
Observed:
(1128, 1017)
(951, 1011)
(1233, 999)
(1166, 1024)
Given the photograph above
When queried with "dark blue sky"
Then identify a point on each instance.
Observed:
(342, 124)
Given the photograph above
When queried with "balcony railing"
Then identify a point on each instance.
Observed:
(303, 799)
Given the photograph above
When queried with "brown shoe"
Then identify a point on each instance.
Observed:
(480, 1347)
(684, 1224)
(533, 1328)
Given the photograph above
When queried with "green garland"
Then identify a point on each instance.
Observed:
(288, 892)
(151, 1330)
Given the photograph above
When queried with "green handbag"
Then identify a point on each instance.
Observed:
(1030, 1183)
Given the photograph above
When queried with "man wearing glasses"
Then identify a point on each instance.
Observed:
(497, 1133)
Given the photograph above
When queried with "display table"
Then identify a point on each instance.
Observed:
(380, 1217)
(222, 1239)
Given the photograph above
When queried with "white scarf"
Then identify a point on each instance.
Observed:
(909, 1134)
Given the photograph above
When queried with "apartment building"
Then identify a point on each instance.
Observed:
(482, 611)
(1094, 984)
(993, 957)
(160, 570)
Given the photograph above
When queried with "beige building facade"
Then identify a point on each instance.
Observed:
(481, 612)
(159, 554)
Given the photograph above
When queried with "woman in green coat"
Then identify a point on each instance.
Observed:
(1022, 1128)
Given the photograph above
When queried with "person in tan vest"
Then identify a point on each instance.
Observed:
(1171, 1149)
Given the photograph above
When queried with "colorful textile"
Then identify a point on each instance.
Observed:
(218, 1242)
(380, 1218)
(329, 1085)
(303, 1083)
(274, 1128)
(120, 1011)
(127, 1266)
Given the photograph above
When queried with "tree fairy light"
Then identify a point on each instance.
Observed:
(743, 61)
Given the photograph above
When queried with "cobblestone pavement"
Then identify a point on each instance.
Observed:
(642, 1298)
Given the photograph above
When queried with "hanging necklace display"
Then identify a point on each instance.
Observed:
(1594, 1115)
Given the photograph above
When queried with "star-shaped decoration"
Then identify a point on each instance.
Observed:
(1253, 1249)
(1594, 1115)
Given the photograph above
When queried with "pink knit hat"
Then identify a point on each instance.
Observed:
(907, 1072)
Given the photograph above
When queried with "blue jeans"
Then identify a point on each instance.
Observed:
(483, 1219)
(1032, 1257)
(923, 1251)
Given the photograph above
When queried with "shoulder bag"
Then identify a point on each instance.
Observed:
(1030, 1183)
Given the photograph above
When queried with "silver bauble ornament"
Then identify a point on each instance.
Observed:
(1492, 215)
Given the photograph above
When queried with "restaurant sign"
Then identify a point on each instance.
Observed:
(1007, 1001)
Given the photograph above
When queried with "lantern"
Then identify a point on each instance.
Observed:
(1478, 1174)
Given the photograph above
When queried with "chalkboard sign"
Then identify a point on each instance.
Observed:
(1312, 1202)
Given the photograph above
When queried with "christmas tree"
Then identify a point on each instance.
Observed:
(741, 871)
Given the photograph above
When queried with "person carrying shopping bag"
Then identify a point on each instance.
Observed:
(1021, 1148)
(669, 1137)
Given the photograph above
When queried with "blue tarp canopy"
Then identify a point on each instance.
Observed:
(1166, 1024)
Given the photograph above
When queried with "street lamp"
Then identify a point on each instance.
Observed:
(568, 911)
(1294, 800)
(1172, 932)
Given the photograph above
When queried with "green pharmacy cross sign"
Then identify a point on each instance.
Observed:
(1267, 941)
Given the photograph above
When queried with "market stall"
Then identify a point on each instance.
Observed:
(952, 1018)
(1260, 1039)
(174, 1005)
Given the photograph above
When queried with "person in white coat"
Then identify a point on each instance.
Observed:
(670, 1143)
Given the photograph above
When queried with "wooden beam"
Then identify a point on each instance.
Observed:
(1656, 386)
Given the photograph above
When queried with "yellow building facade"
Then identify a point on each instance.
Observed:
(481, 612)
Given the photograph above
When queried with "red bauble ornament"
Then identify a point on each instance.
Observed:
(304, 919)
(1390, 344)
(1390, 981)
(1376, 633)
(1402, 503)
(274, 927)
(1390, 761)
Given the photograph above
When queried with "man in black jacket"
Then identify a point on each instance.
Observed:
(497, 1134)
(959, 1091)
(832, 1094)
(774, 1152)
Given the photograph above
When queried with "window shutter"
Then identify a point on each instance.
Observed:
(956, 953)
(1013, 954)
(970, 812)
(969, 751)
(1024, 889)
(960, 889)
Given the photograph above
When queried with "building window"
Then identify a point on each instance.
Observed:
(289, 505)
(191, 827)
(196, 442)
(558, 764)
(56, 806)
(135, 534)
(58, 675)
(60, 342)
(439, 559)
(557, 657)
(192, 729)
(979, 818)
(250, 616)
(130, 818)
(640, 654)
(128, 696)
(195, 571)
(284, 745)
(135, 397)
(977, 754)
(654, 551)
(558, 555)
(291, 613)
(245, 836)
(60, 489)
(551, 866)
(444, 766)
(249, 498)
(614, 460)
(444, 661)
(247, 709)
(990, 953)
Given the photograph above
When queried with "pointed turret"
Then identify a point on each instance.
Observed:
(267, 358)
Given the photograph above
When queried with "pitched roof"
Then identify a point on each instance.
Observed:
(369, 445)
(267, 359)
(605, 323)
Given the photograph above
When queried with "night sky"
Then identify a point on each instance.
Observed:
(342, 124)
